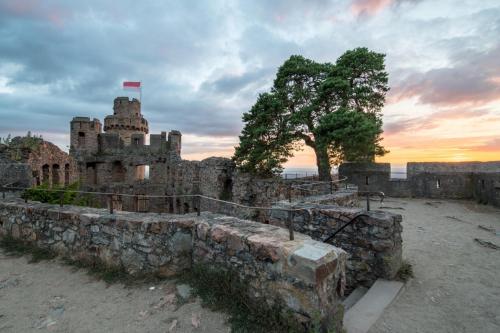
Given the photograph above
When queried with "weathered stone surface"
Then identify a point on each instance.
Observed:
(372, 237)
(306, 276)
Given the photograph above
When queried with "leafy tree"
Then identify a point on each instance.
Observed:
(307, 95)
(351, 136)
(265, 143)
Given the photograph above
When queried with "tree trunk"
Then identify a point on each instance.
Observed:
(323, 163)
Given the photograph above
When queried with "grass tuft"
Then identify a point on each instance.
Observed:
(13, 246)
(223, 290)
(405, 271)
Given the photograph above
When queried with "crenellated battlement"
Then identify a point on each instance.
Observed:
(122, 146)
(126, 119)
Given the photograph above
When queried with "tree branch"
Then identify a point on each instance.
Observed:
(307, 139)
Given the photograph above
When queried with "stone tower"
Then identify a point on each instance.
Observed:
(126, 119)
(83, 135)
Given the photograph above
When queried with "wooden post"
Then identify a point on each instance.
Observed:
(290, 224)
(174, 205)
(61, 199)
(368, 201)
(111, 210)
(136, 202)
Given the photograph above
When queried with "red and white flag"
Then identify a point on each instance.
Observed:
(129, 85)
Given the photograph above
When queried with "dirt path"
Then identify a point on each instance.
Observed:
(51, 297)
(457, 281)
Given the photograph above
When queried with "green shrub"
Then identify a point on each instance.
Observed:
(52, 195)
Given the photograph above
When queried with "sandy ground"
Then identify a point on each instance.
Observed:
(52, 297)
(456, 286)
(457, 281)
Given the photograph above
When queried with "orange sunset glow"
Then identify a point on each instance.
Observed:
(200, 76)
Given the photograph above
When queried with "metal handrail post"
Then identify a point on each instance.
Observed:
(111, 208)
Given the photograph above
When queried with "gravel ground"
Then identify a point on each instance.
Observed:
(456, 286)
(457, 281)
(51, 297)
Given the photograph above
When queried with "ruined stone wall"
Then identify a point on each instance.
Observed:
(83, 135)
(15, 174)
(41, 163)
(486, 187)
(453, 180)
(306, 277)
(373, 242)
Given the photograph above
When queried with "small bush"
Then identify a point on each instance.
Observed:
(52, 195)
(405, 271)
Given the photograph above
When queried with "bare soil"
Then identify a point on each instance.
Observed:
(51, 297)
(456, 287)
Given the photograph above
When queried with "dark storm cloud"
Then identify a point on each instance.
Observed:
(473, 78)
(202, 63)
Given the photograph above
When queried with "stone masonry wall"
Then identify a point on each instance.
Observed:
(447, 180)
(373, 242)
(304, 276)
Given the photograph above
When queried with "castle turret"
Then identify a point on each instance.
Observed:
(126, 119)
(83, 137)
(174, 141)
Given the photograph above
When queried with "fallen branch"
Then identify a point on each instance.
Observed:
(487, 244)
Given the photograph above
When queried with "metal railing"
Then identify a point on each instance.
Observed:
(333, 186)
(351, 221)
(368, 194)
(198, 197)
(111, 196)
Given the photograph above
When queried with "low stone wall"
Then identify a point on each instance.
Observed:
(373, 242)
(443, 180)
(346, 197)
(304, 276)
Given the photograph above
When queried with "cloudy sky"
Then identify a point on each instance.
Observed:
(202, 64)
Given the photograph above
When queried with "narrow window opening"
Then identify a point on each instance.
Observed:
(483, 184)
(142, 172)
(438, 183)
(367, 180)
(118, 172)
(81, 138)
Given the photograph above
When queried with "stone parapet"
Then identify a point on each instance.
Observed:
(373, 242)
(303, 276)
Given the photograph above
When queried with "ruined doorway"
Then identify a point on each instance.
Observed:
(66, 174)
(91, 174)
(55, 174)
(118, 172)
(45, 174)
